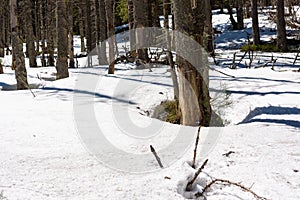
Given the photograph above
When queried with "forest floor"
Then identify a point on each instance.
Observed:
(49, 143)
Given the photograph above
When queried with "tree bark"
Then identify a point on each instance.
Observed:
(240, 15)
(17, 45)
(102, 33)
(194, 100)
(70, 31)
(209, 28)
(51, 31)
(255, 26)
(43, 31)
(30, 40)
(2, 29)
(232, 20)
(62, 40)
(166, 5)
(131, 24)
(81, 24)
(141, 21)
(109, 5)
(281, 29)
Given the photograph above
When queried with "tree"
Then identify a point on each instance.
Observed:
(17, 46)
(30, 40)
(131, 24)
(62, 40)
(70, 30)
(2, 29)
(51, 31)
(141, 21)
(102, 33)
(109, 7)
(240, 14)
(194, 100)
(281, 29)
(255, 26)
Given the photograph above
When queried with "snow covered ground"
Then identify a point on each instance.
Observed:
(46, 155)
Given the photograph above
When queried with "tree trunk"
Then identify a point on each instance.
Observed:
(93, 18)
(17, 45)
(30, 40)
(88, 26)
(2, 29)
(174, 77)
(43, 31)
(232, 20)
(81, 24)
(102, 33)
(281, 29)
(255, 26)
(194, 100)
(109, 5)
(208, 28)
(131, 25)
(70, 30)
(240, 15)
(62, 40)
(51, 31)
(141, 21)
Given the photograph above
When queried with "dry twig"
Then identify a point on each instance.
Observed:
(196, 146)
(200, 194)
(190, 183)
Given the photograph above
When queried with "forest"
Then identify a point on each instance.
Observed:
(149, 99)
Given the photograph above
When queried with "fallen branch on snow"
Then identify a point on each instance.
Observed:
(190, 183)
(216, 181)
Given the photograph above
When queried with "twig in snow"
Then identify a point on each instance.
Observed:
(156, 156)
(200, 194)
(190, 183)
(196, 145)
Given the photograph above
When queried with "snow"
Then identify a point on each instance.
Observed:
(46, 155)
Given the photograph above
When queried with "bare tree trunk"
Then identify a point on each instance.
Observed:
(51, 31)
(81, 24)
(208, 28)
(88, 25)
(43, 31)
(141, 21)
(17, 45)
(232, 20)
(194, 100)
(166, 5)
(70, 30)
(30, 41)
(281, 29)
(131, 24)
(109, 5)
(102, 33)
(240, 15)
(2, 29)
(7, 27)
(93, 18)
(255, 27)
(37, 25)
(62, 40)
